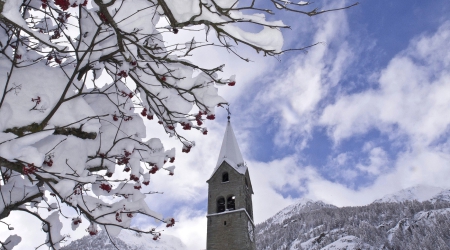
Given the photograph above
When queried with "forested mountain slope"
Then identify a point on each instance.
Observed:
(401, 223)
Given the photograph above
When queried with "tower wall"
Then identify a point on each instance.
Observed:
(232, 236)
(229, 230)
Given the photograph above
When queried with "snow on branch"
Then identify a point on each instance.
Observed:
(78, 78)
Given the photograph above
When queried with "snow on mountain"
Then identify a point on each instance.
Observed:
(348, 243)
(303, 205)
(413, 218)
(126, 240)
(419, 193)
(442, 196)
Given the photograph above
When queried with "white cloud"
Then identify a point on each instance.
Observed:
(412, 94)
(293, 95)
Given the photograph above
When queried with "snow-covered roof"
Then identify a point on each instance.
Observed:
(230, 152)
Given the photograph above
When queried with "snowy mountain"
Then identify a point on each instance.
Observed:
(414, 218)
(419, 193)
(126, 240)
(302, 205)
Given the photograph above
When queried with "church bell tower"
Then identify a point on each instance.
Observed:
(230, 210)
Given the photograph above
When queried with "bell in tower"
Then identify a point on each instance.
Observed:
(230, 211)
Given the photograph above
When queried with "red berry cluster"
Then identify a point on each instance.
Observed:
(37, 100)
(186, 126)
(129, 215)
(171, 223)
(109, 174)
(198, 118)
(171, 127)
(56, 35)
(58, 61)
(186, 149)
(17, 56)
(128, 118)
(134, 177)
(137, 186)
(205, 131)
(126, 169)
(153, 169)
(232, 83)
(49, 58)
(77, 190)
(211, 117)
(144, 113)
(133, 63)
(106, 187)
(48, 161)
(122, 73)
(76, 220)
(146, 183)
(118, 217)
(63, 4)
(92, 231)
(44, 3)
(63, 16)
(172, 159)
(124, 94)
(29, 169)
(123, 161)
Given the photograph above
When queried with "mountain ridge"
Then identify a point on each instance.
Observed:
(412, 218)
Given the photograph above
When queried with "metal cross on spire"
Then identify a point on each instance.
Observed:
(229, 113)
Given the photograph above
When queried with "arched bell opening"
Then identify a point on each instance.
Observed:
(220, 205)
(231, 202)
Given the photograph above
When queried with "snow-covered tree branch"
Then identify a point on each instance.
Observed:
(77, 80)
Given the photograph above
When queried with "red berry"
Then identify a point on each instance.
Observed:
(115, 118)
(163, 78)
(205, 132)
(154, 169)
(211, 117)
(105, 187)
(144, 112)
(232, 83)
(149, 117)
(109, 174)
(172, 160)
(175, 30)
(146, 183)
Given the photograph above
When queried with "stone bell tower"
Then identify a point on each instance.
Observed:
(230, 211)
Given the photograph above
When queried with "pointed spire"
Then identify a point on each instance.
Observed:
(230, 151)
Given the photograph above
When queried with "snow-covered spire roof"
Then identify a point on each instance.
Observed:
(230, 151)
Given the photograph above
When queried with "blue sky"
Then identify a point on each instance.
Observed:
(359, 116)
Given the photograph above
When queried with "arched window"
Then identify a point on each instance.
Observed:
(225, 177)
(231, 201)
(220, 205)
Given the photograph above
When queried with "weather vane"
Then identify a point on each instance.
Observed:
(229, 113)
